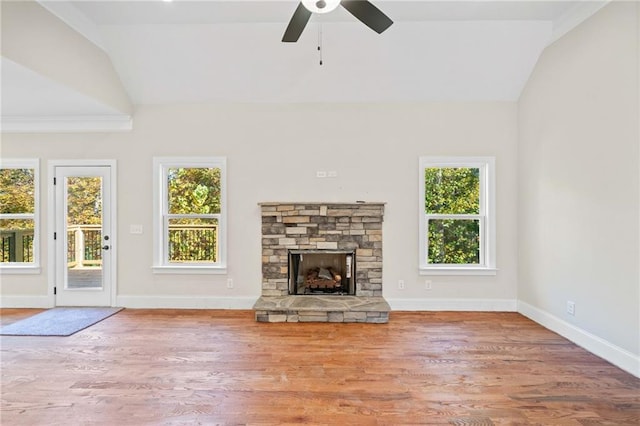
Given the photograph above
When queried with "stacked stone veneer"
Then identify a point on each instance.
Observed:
(339, 226)
(316, 226)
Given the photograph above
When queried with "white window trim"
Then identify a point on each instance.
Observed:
(160, 263)
(487, 264)
(33, 267)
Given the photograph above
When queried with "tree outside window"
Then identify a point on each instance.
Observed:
(456, 215)
(19, 212)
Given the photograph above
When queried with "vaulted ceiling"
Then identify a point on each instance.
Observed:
(158, 52)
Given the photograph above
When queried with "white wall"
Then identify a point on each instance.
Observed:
(568, 163)
(579, 203)
(273, 153)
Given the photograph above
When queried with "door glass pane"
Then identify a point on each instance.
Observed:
(84, 232)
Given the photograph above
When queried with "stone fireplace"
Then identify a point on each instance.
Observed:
(322, 262)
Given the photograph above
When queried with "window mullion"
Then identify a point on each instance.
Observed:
(483, 242)
(167, 243)
(25, 216)
(454, 216)
(483, 190)
(193, 216)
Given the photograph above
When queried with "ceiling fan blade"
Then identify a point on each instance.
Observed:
(296, 25)
(368, 14)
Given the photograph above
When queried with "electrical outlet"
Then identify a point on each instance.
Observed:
(321, 174)
(571, 308)
(427, 284)
(400, 284)
(229, 283)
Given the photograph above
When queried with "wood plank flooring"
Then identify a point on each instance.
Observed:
(188, 367)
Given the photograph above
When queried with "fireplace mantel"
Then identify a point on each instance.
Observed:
(353, 226)
(321, 203)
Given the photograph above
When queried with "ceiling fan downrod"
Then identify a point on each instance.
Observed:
(320, 42)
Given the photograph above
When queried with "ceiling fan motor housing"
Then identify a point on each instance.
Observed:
(321, 6)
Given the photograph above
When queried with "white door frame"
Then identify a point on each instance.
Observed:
(51, 225)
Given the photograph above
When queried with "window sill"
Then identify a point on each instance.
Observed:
(19, 270)
(458, 271)
(190, 270)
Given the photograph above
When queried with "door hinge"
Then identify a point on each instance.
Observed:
(55, 235)
(55, 290)
(54, 181)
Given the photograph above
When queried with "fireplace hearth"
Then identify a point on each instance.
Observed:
(322, 262)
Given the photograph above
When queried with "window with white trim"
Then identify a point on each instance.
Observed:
(457, 215)
(19, 215)
(190, 219)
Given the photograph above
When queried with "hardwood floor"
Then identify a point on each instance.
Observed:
(184, 367)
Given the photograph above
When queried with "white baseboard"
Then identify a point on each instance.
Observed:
(471, 305)
(178, 302)
(43, 302)
(594, 344)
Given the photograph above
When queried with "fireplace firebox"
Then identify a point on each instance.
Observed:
(323, 272)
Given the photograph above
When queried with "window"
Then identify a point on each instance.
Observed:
(457, 225)
(19, 213)
(189, 194)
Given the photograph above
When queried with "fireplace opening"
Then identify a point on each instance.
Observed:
(323, 272)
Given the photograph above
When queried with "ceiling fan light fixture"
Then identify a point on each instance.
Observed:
(321, 6)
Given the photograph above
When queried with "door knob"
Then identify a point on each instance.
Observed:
(105, 247)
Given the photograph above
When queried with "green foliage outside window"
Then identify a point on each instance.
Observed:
(454, 242)
(194, 190)
(17, 196)
(451, 192)
(17, 191)
(84, 200)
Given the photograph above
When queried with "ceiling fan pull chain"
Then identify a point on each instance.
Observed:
(320, 42)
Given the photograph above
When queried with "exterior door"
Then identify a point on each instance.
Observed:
(83, 238)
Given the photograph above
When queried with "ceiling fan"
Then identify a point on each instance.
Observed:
(363, 10)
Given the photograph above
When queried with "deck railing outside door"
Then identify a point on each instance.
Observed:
(84, 244)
